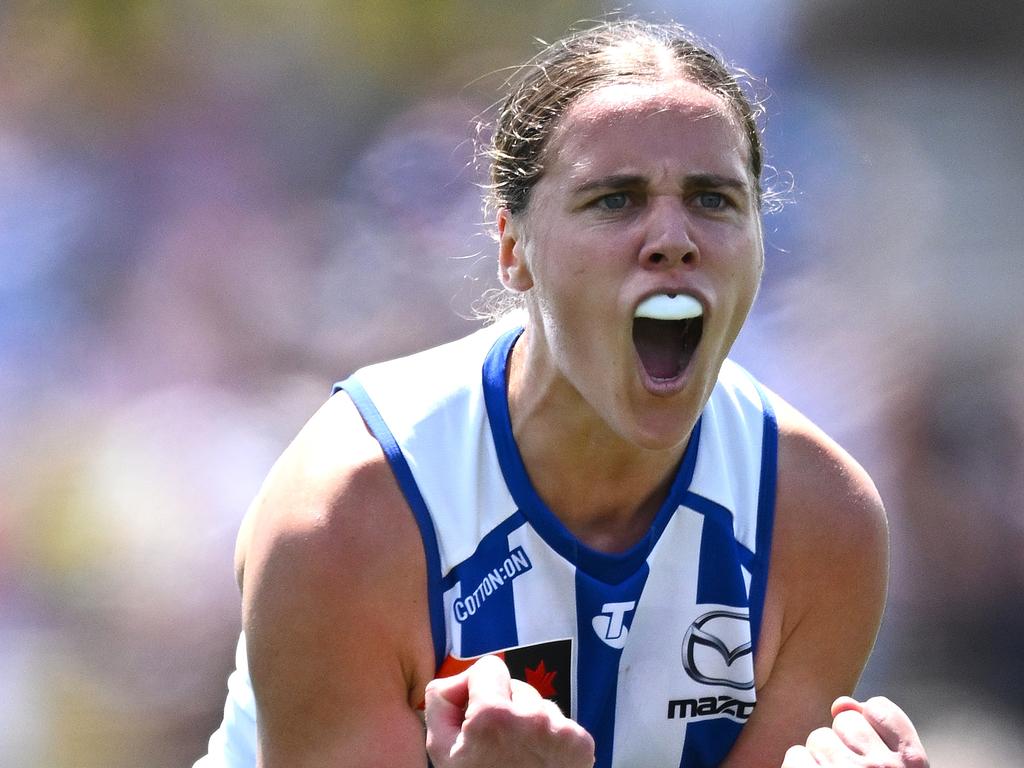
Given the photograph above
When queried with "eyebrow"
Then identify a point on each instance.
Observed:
(615, 181)
(631, 181)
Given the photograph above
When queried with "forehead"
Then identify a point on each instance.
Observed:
(677, 126)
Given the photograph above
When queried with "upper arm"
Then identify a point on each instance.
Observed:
(826, 591)
(334, 604)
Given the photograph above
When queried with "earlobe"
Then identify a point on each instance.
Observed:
(513, 269)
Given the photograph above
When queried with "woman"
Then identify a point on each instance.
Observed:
(659, 562)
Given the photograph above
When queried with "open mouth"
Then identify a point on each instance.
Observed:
(666, 331)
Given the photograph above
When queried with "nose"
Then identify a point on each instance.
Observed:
(668, 241)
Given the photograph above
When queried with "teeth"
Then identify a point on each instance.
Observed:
(663, 306)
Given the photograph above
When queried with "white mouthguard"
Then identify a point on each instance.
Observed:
(662, 306)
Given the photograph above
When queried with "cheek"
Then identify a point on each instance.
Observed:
(748, 264)
(562, 273)
(742, 282)
(580, 269)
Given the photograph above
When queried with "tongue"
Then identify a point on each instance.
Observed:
(659, 344)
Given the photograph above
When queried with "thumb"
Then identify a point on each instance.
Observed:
(889, 721)
(846, 704)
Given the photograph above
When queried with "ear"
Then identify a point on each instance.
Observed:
(513, 269)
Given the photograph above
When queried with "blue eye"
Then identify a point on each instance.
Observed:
(712, 200)
(614, 202)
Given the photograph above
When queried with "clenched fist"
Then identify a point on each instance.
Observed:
(482, 718)
(872, 734)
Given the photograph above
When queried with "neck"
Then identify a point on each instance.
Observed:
(605, 489)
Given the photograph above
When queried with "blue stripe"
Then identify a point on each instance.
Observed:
(707, 507)
(492, 625)
(609, 568)
(708, 742)
(598, 662)
(719, 574)
(407, 483)
(765, 514)
(504, 528)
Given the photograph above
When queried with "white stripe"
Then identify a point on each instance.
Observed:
(651, 671)
(545, 596)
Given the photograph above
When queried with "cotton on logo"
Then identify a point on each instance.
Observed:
(610, 623)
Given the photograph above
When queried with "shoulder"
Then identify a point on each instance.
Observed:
(826, 504)
(333, 591)
(318, 493)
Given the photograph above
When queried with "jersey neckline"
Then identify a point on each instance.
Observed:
(612, 568)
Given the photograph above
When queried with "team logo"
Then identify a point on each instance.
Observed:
(610, 624)
(712, 646)
(546, 666)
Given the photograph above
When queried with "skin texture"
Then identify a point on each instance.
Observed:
(647, 189)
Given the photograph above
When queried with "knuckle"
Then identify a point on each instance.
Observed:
(521, 690)
(577, 744)
(914, 757)
(819, 736)
(539, 723)
(566, 729)
(488, 719)
(795, 756)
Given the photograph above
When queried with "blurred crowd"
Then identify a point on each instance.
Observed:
(209, 212)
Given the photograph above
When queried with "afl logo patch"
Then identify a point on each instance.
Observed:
(716, 650)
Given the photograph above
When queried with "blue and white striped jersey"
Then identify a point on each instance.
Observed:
(651, 650)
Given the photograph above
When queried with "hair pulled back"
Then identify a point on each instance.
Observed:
(628, 50)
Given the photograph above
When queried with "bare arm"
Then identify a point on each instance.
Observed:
(826, 591)
(334, 604)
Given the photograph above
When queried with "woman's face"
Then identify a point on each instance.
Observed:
(646, 191)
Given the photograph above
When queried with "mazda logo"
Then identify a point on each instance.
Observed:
(713, 643)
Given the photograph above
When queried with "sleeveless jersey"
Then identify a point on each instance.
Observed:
(651, 650)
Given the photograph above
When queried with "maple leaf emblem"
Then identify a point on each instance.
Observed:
(542, 680)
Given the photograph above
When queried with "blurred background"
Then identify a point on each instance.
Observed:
(209, 212)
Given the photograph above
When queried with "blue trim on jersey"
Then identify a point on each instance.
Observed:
(407, 483)
(746, 557)
(598, 670)
(609, 568)
(765, 514)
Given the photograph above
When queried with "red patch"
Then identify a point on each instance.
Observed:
(538, 664)
(542, 680)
